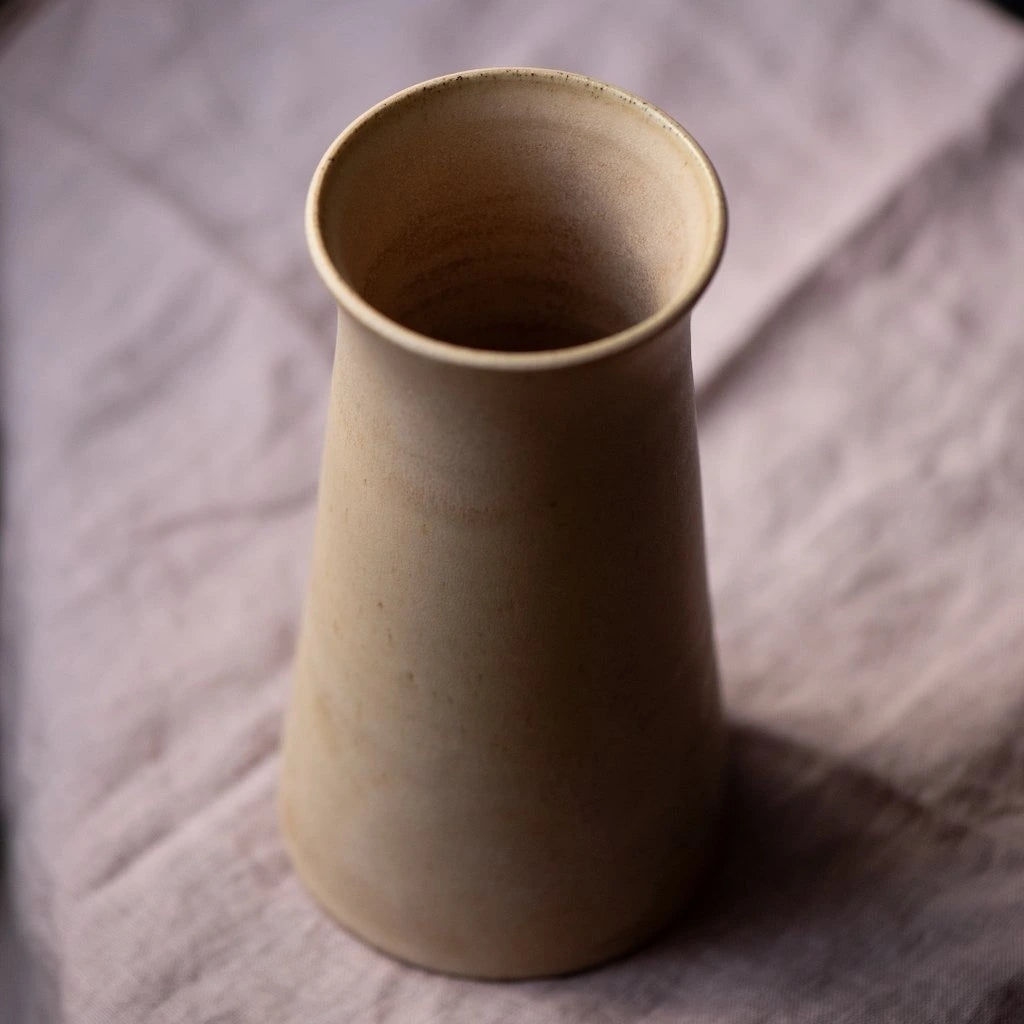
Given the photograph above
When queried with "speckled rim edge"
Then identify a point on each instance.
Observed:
(432, 348)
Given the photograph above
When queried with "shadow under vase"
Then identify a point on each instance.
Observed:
(833, 897)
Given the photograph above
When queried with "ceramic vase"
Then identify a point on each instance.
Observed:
(504, 748)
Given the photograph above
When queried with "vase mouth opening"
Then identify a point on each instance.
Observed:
(515, 218)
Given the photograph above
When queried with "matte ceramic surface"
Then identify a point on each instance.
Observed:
(504, 747)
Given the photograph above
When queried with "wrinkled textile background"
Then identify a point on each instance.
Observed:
(860, 371)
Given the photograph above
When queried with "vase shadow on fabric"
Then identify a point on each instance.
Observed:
(828, 885)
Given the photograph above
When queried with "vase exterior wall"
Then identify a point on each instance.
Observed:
(503, 753)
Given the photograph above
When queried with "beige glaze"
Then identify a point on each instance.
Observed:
(504, 751)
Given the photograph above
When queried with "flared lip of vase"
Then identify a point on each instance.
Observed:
(681, 303)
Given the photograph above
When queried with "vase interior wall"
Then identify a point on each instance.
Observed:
(477, 217)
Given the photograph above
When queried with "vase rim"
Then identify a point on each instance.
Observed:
(678, 306)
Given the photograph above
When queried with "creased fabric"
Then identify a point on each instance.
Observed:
(860, 372)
